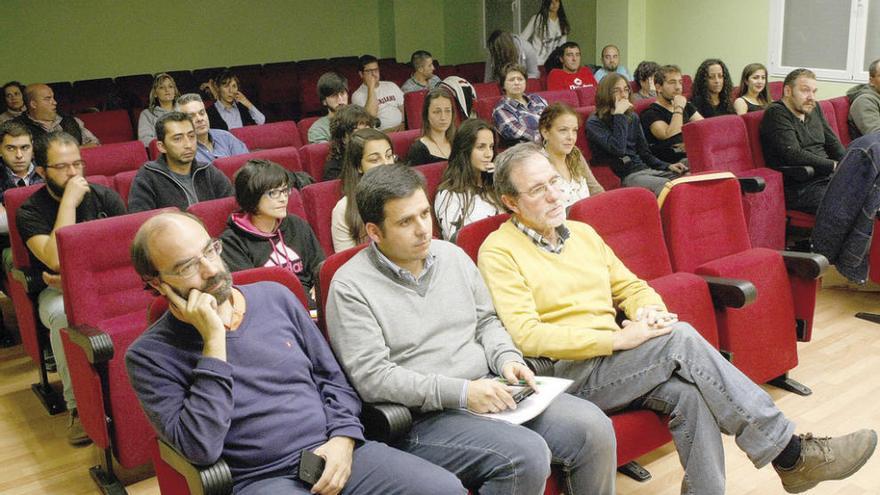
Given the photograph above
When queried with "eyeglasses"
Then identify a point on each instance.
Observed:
(191, 266)
(278, 193)
(542, 189)
(78, 165)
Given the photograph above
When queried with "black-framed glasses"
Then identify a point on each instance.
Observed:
(191, 266)
(278, 192)
(78, 165)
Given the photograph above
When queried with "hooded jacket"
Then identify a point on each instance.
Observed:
(291, 245)
(155, 186)
(864, 110)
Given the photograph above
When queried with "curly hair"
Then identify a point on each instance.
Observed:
(700, 89)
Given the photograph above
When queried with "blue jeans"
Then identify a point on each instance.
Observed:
(50, 305)
(683, 376)
(375, 468)
(497, 457)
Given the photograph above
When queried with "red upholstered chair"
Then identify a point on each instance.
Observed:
(486, 90)
(686, 83)
(313, 157)
(841, 115)
(433, 173)
(828, 111)
(776, 89)
(473, 71)
(63, 93)
(111, 159)
(112, 126)
(122, 183)
(705, 232)
(394, 71)
(319, 200)
(303, 126)
(641, 105)
(412, 108)
(483, 106)
(534, 85)
(309, 71)
(135, 89)
(24, 285)
(104, 300)
(279, 91)
(275, 135)
(471, 236)
(586, 96)
(287, 157)
(722, 144)
(402, 140)
(92, 94)
(153, 150)
(215, 212)
(566, 96)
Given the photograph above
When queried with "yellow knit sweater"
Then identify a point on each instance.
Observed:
(562, 305)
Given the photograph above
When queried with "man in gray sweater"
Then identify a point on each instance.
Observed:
(412, 322)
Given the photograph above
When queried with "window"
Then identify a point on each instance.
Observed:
(507, 15)
(837, 39)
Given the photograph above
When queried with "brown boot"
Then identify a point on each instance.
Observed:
(76, 435)
(828, 458)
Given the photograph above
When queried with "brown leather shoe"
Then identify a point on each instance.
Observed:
(828, 458)
(76, 435)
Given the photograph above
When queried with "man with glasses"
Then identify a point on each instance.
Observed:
(382, 99)
(42, 117)
(176, 178)
(242, 373)
(557, 287)
(67, 199)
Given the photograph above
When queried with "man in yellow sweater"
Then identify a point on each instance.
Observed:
(557, 288)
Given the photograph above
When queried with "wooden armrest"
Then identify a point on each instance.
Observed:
(731, 292)
(215, 479)
(798, 173)
(752, 184)
(541, 366)
(386, 422)
(94, 342)
(32, 280)
(805, 265)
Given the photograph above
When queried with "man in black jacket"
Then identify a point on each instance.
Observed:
(176, 179)
(794, 133)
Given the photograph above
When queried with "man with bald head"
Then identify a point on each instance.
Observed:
(42, 117)
(288, 393)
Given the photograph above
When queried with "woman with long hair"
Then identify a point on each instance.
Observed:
(516, 115)
(505, 48)
(163, 94)
(262, 233)
(367, 148)
(616, 137)
(559, 126)
(465, 193)
(753, 91)
(345, 120)
(712, 89)
(438, 128)
(547, 29)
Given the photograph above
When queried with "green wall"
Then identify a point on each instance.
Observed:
(582, 18)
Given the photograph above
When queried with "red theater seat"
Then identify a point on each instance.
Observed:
(586, 96)
(112, 126)
(319, 200)
(303, 126)
(287, 157)
(111, 159)
(313, 157)
(486, 90)
(566, 96)
(267, 136)
(841, 114)
(402, 140)
(412, 106)
(484, 106)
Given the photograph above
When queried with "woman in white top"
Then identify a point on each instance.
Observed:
(547, 29)
(465, 193)
(366, 149)
(559, 126)
(163, 94)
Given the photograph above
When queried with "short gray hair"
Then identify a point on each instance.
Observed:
(506, 162)
(187, 98)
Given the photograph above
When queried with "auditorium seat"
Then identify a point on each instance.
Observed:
(313, 157)
(412, 106)
(309, 71)
(97, 94)
(202, 76)
(705, 233)
(112, 126)
(722, 144)
(486, 90)
(484, 106)
(135, 89)
(279, 91)
(841, 114)
(287, 157)
(686, 83)
(402, 140)
(473, 71)
(828, 112)
(444, 71)
(566, 96)
(319, 200)
(433, 173)
(391, 70)
(534, 85)
(111, 159)
(776, 89)
(586, 96)
(267, 136)
(122, 183)
(185, 81)
(303, 126)
(63, 93)
(641, 105)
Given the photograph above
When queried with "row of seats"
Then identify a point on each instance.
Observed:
(105, 300)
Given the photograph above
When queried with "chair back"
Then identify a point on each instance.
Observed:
(319, 200)
(111, 159)
(471, 236)
(325, 276)
(719, 143)
(267, 136)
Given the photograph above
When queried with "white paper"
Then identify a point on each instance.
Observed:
(549, 388)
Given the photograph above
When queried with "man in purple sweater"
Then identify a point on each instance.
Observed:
(243, 373)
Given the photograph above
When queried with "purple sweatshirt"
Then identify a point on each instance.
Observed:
(280, 390)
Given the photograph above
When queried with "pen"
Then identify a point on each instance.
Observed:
(521, 382)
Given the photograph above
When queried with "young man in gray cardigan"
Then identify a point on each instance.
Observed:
(412, 322)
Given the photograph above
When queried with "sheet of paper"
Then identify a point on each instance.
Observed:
(549, 388)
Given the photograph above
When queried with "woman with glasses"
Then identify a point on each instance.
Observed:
(616, 138)
(438, 128)
(465, 193)
(163, 94)
(262, 233)
(559, 126)
(367, 148)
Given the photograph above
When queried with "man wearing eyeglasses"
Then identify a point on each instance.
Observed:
(557, 287)
(382, 99)
(242, 373)
(67, 199)
(42, 117)
(176, 178)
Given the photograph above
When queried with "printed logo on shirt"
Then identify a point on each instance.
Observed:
(387, 99)
(279, 259)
